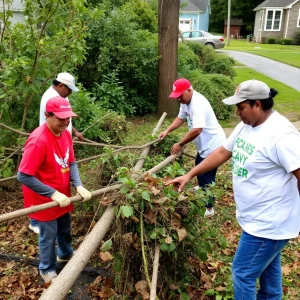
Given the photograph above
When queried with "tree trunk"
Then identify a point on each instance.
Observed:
(168, 22)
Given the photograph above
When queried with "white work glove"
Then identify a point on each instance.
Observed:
(84, 193)
(61, 199)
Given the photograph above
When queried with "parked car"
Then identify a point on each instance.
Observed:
(205, 38)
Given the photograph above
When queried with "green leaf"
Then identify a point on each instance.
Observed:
(184, 296)
(164, 247)
(146, 195)
(123, 180)
(153, 235)
(218, 297)
(172, 247)
(106, 246)
(209, 292)
(126, 211)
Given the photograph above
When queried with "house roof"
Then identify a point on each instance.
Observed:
(234, 22)
(195, 5)
(275, 3)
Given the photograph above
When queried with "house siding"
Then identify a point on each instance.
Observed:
(288, 15)
(292, 26)
(17, 8)
(200, 20)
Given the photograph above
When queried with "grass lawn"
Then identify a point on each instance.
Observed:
(287, 102)
(288, 54)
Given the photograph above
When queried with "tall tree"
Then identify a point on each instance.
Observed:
(168, 18)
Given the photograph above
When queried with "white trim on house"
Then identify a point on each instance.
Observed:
(298, 21)
(287, 24)
(290, 6)
(274, 10)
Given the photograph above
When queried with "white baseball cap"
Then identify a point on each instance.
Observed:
(68, 80)
(249, 90)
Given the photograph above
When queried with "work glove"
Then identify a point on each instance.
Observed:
(84, 193)
(61, 199)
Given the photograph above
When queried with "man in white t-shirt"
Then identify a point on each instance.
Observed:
(63, 85)
(204, 129)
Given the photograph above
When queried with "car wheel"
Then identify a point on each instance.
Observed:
(210, 45)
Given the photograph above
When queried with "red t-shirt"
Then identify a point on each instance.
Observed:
(47, 157)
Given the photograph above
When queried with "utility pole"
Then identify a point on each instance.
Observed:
(228, 23)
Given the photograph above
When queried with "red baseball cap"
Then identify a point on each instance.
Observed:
(179, 86)
(60, 107)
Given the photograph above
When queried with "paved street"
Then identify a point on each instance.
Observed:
(279, 71)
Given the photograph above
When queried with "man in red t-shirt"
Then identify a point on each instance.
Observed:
(46, 170)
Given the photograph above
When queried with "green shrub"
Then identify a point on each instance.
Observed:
(103, 125)
(111, 95)
(286, 41)
(214, 87)
(263, 40)
(296, 39)
(211, 61)
(187, 60)
(120, 40)
(271, 40)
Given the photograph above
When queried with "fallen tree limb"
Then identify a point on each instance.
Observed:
(60, 287)
(155, 272)
(99, 155)
(14, 130)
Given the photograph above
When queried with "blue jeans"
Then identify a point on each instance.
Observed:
(34, 223)
(205, 179)
(256, 258)
(57, 230)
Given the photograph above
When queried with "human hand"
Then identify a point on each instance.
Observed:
(79, 135)
(163, 134)
(176, 148)
(84, 193)
(61, 199)
(179, 182)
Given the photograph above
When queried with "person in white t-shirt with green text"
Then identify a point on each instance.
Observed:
(264, 149)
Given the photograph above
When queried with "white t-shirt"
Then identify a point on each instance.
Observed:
(50, 93)
(199, 114)
(266, 193)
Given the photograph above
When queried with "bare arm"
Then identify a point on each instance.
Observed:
(190, 136)
(212, 161)
(76, 133)
(297, 175)
(175, 124)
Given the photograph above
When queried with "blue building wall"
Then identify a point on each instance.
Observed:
(200, 20)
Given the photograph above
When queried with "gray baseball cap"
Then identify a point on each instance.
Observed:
(249, 90)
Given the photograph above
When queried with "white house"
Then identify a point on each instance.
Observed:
(17, 8)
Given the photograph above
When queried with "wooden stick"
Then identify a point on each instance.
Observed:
(14, 130)
(100, 155)
(155, 273)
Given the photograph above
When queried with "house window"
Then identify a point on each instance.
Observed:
(273, 20)
(298, 21)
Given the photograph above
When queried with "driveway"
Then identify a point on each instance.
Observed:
(276, 70)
